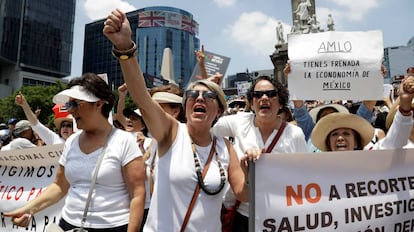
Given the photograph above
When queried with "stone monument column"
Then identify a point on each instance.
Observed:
(280, 55)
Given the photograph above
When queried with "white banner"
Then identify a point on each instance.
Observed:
(335, 191)
(24, 175)
(336, 65)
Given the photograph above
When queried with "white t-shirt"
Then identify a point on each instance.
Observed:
(21, 143)
(110, 202)
(241, 127)
(175, 184)
(398, 133)
(47, 135)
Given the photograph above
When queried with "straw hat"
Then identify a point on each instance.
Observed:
(335, 121)
(339, 108)
(165, 97)
(58, 121)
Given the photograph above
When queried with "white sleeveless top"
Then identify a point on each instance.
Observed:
(175, 183)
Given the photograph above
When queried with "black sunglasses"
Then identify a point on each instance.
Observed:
(208, 95)
(269, 93)
(67, 125)
(72, 103)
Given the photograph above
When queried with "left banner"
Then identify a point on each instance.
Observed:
(24, 175)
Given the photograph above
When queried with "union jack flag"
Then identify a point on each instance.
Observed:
(188, 24)
(151, 19)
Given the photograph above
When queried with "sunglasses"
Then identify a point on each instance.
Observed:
(67, 125)
(73, 104)
(268, 93)
(207, 95)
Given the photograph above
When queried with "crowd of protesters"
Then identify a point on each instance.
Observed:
(183, 136)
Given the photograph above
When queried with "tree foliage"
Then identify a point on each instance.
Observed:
(39, 97)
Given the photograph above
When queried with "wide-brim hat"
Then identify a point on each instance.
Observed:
(314, 112)
(77, 92)
(165, 97)
(58, 121)
(335, 121)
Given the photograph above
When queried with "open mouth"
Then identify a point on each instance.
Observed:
(341, 146)
(199, 109)
(264, 107)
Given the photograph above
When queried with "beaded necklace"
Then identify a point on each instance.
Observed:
(199, 171)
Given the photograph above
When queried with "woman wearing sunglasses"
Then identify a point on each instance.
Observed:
(188, 154)
(117, 200)
(255, 131)
(49, 137)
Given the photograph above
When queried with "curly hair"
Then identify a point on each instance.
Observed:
(282, 91)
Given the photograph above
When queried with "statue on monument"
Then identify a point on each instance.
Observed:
(314, 25)
(279, 33)
(302, 12)
(296, 27)
(330, 23)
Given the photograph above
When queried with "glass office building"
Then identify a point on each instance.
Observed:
(35, 41)
(154, 29)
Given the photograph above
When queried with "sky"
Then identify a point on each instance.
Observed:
(245, 30)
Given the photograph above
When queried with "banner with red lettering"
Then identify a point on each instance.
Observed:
(24, 175)
(335, 191)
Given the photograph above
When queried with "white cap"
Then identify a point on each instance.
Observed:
(77, 92)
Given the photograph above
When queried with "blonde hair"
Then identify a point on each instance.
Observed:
(213, 87)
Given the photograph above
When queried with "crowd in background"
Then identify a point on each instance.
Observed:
(169, 123)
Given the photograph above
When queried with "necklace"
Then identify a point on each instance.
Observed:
(199, 171)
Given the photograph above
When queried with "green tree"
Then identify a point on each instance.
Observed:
(37, 97)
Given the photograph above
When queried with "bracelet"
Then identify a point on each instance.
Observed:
(404, 112)
(125, 54)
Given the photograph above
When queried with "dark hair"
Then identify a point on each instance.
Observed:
(282, 91)
(358, 140)
(145, 130)
(97, 86)
(289, 116)
(380, 121)
(318, 115)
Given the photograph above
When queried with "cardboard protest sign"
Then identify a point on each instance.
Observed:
(336, 65)
(214, 63)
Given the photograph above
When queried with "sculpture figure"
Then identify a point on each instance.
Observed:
(279, 33)
(302, 12)
(330, 23)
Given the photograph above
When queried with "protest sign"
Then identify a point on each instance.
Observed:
(214, 63)
(24, 175)
(335, 191)
(336, 65)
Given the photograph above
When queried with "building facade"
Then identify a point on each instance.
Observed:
(153, 29)
(36, 40)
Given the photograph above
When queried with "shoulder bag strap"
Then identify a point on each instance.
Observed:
(276, 138)
(95, 175)
(197, 189)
